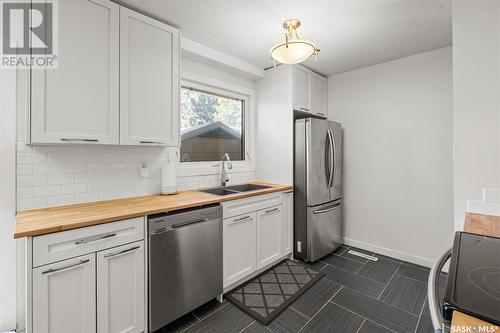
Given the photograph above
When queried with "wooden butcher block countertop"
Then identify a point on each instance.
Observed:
(487, 225)
(49, 220)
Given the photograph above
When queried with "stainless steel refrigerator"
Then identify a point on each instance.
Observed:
(318, 188)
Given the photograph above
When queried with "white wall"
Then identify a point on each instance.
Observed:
(57, 175)
(7, 200)
(476, 101)
(398, 186)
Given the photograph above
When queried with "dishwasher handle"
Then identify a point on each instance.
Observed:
(187, 223)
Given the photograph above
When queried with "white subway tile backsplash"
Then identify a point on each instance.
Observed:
(60, 179)
(47, 190)
(46, 169)
(59, 175)
(31, 157)
(73, 188)
(24, 169)
(33, 203)
(74, 168)
(61, 200)
(61, 157)
(86, 197)
(25, 181)
(24, 193)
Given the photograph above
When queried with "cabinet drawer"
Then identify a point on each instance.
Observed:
(72, 243)
(252, 204)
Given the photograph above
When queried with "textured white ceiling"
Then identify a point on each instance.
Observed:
(351, 34)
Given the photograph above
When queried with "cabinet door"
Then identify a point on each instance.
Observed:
(318, 94)
(287, 222)
(120, 289)
(78, 102)
(269, 235)
(239, 241)
(64, 296)
(149, 81)
(300, 89)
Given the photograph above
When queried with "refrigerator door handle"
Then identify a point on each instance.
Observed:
(326, 210)
(328, 164)
(331, 140)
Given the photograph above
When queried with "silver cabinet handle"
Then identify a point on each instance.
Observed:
(272, 210)
(242, 218)
(305, 109)
(94, 238)
(321, 211)
(152, 142)
(52, 270)
(79, 140)
(120, 252)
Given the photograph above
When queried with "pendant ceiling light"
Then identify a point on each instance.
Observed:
(294, 50)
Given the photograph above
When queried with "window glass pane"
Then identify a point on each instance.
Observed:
(211, 125)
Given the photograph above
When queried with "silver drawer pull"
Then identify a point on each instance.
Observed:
(272, 210)
(79, 140)
(304, 109)
(120, 252)
(152, 142)
(93, 239)
(242, 218)
(52, 270)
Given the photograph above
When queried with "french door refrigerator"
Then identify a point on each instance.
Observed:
(318, 188)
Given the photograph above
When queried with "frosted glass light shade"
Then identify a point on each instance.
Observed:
(296, 52)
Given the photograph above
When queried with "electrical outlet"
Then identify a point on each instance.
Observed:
(299, 246)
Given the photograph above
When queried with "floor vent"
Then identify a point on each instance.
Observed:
(362, 255)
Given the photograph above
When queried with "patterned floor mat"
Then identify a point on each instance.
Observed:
(270, 293)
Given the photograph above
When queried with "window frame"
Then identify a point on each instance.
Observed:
(221, 88)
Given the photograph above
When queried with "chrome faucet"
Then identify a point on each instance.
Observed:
(223, 174)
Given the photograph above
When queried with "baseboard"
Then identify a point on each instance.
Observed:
(391, 253)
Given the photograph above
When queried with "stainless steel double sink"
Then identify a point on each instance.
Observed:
(234, 189)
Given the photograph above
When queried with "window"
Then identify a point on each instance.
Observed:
(211, 125)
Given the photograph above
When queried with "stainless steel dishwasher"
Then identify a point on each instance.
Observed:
(185, 262)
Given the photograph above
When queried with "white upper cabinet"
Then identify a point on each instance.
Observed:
(78, 101)
(317, 88)
(117, 80)
(149, 81)
(300, 83)
(309, 91)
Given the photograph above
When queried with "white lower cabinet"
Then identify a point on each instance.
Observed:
(64, 296)
(121, 289)
(257, 232)
(98, 287)
(239, 242)
(269, 235)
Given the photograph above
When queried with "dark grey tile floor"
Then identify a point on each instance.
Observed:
(356, 295)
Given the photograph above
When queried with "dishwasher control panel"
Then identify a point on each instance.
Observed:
(164, 222)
